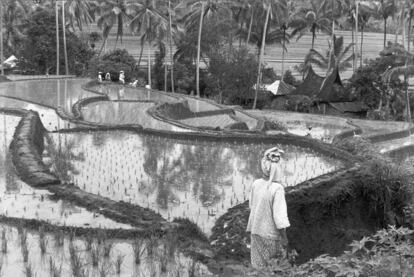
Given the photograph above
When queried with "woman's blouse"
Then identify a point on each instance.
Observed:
(268, 210)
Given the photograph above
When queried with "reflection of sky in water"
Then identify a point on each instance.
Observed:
(198, 180)
(324, 133)
(21, 201)
(48, 116)
(13, 264)
(51, 93)
(120, 113)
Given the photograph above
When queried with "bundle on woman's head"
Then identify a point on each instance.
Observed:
(270, 156)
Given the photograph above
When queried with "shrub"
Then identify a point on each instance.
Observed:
(113, 62)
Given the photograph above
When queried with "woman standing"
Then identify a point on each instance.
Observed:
(268, 218)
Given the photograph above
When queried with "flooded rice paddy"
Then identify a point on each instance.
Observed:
(57, 254)
(194, 179)
(19, 200)
(125, 113)
(198, 180)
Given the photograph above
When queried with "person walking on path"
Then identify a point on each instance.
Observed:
(268, 218)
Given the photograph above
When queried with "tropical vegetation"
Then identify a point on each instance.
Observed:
(183, 34)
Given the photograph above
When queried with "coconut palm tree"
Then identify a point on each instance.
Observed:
(1, 39)
(111, 13)
(65, 51)
(364, 12)
(268, 7)
(14, 11)
(80, 12)
(385, 9)
(149, 23)
(340, 56)
(198, 10)
(317, 18)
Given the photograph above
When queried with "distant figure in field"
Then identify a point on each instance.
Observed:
(134, 83)
(100, 77)
(122, 77)
(108, 76)
(268, 218)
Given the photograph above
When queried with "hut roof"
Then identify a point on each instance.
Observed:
(332, 89)
(310, 85)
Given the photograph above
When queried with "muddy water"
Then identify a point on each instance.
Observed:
(150, 264)
(196, 180)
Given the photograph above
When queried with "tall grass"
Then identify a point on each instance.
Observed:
(76, 262)
(28, 270)
(95, 255)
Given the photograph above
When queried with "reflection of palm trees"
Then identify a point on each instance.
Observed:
(183, 167)
(63, 157)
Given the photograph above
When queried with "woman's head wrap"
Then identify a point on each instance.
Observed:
(270, 156)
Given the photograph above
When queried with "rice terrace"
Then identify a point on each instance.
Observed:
(134, 134)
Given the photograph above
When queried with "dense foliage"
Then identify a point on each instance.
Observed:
(37, 52)
(113, 62)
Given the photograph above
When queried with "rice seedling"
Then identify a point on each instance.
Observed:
(107, 247)
(138, 248)
(76, 262)
(95, 255)
(42, 244)
(28, 270)
(3, 241)
(171, 244)
(25, 252)
(59, 237)
(54, 270)
(23, 237)
(88, 242)
(41, 233)
(118, 263)
(103, 271)
(152, 244)
(192, 267)
(163, 257)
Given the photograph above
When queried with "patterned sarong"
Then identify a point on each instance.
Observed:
(262, 250)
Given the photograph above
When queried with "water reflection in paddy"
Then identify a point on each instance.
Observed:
(17, 199)
(197, 180)
(121, 113)
(61, 250)
(48, 116)
(51, 93)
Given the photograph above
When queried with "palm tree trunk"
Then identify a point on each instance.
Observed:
(385, 31)
(1, 39)
(103, 45)
(313, 38)
(403, 32)
(409, 33)
(64, 39)
(362, 42)
(283, 53)
(165, 74)
(199, 50)
(407, 97)
(356, 34)
(57, 38)
(171, 50)
(149, 64)
(249, 32)
(140, 53)
(353, 48)
(259, 70)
